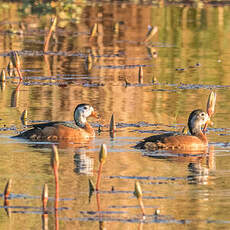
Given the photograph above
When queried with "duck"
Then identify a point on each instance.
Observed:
(61, 130)
(172, 141)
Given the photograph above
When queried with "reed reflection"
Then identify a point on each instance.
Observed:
(2, 86)
(44, 204)
(7, 192)
(55, 165)
(45, 221)
(15, 96)
(6, 207)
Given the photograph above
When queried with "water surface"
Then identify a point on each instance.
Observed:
(191, 57)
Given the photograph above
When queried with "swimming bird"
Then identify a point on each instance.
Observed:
(60, 130)
(196, 141)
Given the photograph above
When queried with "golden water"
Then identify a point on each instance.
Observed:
(191, 193)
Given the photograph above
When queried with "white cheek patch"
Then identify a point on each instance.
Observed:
(88, 111)
(204, 119)
(84, 113)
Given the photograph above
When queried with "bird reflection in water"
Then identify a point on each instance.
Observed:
(199, 171)
(83, 163)
(200, 163)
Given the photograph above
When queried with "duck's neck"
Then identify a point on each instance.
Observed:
(196, 131)
(202, 137)
(80, 121)
(194, 126)
(88, 128)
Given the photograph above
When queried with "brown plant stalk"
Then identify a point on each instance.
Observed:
(52, 28)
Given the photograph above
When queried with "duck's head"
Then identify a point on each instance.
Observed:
(82, 111)
(196, 120)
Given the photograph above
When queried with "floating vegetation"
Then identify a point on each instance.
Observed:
(7, 189)
(127, 83)
(140, 75)
(91, 189)
(112, 126)
(91, 186)
(189, 67)
(3, 76)
(24, 117)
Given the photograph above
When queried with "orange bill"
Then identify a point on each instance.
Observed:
(94, 114)
(209, 122)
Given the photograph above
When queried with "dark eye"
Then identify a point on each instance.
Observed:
(85, 108)
(202, 114)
